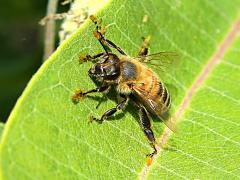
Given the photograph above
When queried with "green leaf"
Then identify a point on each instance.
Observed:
(1, 129)
(48, 137)
(208, 141)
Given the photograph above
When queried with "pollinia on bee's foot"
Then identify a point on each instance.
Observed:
(132, 79)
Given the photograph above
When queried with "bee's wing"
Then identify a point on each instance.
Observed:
(162, 61)
(153, 105)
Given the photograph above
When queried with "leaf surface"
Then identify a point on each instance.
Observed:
(1, 129)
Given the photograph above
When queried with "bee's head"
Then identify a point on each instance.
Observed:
(107, 68)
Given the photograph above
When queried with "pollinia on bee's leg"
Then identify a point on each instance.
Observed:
(103, 41)
(146, 126)
(110, 112)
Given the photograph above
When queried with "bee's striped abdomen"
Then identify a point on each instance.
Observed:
(163, 95)
(160, 89)
(168, 102)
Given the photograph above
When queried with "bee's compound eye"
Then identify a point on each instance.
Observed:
(98, 69)
(95, 70)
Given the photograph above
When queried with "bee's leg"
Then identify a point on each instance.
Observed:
(80, 94)
(110, 112)
(89, 57)
(97, 89)
(144, 49)
(103, 41)
(107, 43)
(112, 45)
(146, 126)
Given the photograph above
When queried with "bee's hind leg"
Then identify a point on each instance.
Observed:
(146, 126)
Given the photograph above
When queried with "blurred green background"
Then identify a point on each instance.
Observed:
(21, 48)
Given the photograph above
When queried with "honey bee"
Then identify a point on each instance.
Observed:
(132, 79)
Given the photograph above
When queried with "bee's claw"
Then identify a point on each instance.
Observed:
(150, 155)
(91, 119)
(153, 153)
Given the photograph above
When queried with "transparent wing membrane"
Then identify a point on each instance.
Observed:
(162, 61)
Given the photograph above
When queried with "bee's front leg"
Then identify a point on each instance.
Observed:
(99, 34)
(88, 57)
(146, 126)
(79, 94)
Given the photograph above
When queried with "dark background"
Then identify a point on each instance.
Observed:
(21, 48)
